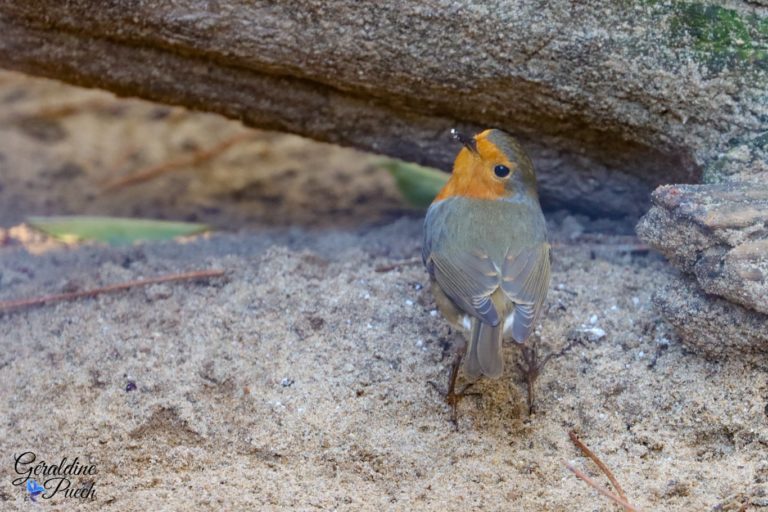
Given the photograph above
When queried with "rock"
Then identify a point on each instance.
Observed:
(158, 292)
(712, 326)
(611, 101)
(572, 227)
(718, 234)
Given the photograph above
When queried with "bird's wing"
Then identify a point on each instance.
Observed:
(469, 279)
(525, 281)
(434, 222)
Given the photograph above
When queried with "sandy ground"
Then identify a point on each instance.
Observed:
(300, 380)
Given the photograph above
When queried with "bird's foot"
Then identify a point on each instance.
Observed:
(453, 397)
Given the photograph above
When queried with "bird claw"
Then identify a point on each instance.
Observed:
(452, 398)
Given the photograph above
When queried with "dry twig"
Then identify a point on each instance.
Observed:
(399, 264)
(75, 107)
(47, 299)
(195, 158)
(632, 248)
(602, 490)
(590, 454)
(60, 110)
(621, 498)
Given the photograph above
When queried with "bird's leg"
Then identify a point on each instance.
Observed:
(452, 397)
(530, 368)
(454, 375)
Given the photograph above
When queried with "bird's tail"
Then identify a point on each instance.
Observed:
(484, 350)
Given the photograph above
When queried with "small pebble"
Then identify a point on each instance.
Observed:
(594, 333)
(157, 292)
(287, 382)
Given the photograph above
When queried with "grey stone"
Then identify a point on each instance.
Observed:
(713, 326)
(718, 234)
(610, 99)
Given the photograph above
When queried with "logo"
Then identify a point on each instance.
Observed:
(34, 489)
(45, 481)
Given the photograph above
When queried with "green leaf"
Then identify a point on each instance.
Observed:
(113, 230)
(419, 185)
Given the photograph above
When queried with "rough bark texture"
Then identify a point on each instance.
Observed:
(611, 99)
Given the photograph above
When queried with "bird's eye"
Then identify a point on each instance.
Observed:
(502, 171)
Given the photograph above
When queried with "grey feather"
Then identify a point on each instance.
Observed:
(484, 355)
(471, 362)
(488, 351)
(482, 277)
(469, 280)
(467, 277)
(525, 283)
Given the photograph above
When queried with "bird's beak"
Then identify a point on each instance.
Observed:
(469, 142)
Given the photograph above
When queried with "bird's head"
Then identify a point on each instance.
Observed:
(491, 165)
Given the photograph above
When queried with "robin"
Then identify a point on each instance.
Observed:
(486, 251)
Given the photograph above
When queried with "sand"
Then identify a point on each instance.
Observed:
(301, 379)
